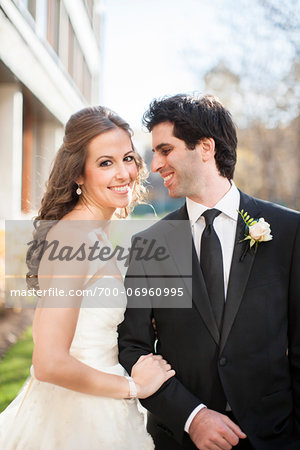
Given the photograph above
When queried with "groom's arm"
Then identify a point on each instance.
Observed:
(172, 403)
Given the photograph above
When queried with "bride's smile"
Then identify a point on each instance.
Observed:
(110, 172)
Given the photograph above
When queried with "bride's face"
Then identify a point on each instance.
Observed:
(110, 171)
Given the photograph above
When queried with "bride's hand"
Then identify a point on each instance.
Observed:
(149, 373)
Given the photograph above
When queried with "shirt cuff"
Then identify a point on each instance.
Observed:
(191, 416)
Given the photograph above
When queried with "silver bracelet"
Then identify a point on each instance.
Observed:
(132, 388)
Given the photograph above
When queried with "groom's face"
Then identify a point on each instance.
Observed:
(179, 166)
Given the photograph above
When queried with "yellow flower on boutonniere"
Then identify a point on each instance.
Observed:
(256, 230)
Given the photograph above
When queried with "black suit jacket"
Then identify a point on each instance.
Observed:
(254, 363)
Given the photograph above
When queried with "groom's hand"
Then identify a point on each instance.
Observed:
(211, 430)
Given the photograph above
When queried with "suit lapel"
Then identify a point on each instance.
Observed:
(177, 246)
(241, 265)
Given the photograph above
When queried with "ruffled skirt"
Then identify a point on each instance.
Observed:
(48, 417)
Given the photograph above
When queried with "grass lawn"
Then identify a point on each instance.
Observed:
(14, 368)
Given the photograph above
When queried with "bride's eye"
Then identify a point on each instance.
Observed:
(105, 163)
(129, 158)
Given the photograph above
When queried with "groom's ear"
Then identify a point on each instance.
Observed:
(207, 148)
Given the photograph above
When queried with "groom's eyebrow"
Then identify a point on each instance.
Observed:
(162, 146)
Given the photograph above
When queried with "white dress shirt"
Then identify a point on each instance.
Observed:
(225, 227)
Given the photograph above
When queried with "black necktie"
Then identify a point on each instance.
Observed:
(211, 262)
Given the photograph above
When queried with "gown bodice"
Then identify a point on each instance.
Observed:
(95, 340)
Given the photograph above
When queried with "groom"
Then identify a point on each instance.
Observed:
(236, 350)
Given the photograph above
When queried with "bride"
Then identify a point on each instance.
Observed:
(79, 396)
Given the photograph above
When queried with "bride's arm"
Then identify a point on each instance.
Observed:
(53, 335)
(54, 329)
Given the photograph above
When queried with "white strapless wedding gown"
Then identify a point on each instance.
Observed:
(48, 417)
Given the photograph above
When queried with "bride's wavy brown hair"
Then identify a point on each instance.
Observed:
(60, 196)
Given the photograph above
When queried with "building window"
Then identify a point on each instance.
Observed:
(78, 65)
(64, 24)
(53, 23)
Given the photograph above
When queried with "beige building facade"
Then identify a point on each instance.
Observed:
(50, 67)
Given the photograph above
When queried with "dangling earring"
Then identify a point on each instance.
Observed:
(78, 190)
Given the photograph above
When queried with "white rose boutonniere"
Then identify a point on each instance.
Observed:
(256, 230)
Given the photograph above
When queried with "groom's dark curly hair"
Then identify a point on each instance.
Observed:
(195, 118)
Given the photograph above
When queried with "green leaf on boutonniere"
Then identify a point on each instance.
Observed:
(256, 230)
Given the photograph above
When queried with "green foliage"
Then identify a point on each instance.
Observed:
(246, 218)
(15, 368)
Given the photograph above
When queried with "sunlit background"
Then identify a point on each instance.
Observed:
(246, 52)
(59, 55)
